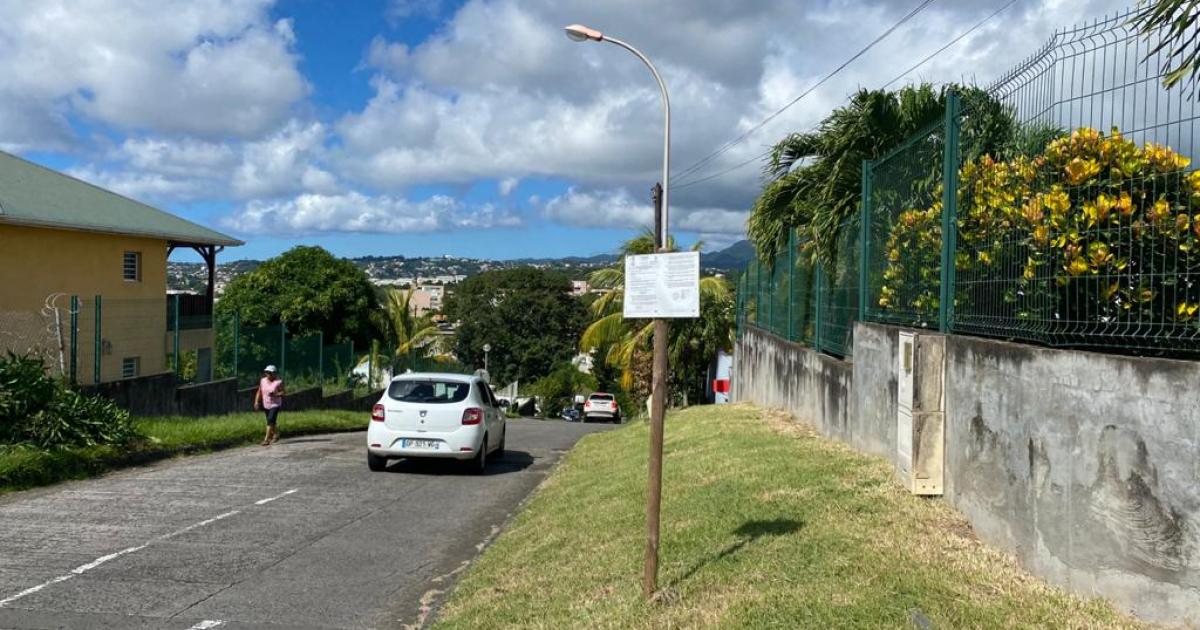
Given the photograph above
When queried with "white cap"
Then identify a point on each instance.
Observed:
(270, 368)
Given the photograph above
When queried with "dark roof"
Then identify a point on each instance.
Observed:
(34, 195)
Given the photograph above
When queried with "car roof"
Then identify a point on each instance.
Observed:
(599, 394)
(441, 376)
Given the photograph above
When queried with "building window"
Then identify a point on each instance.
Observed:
(132, 267)
(131, 367)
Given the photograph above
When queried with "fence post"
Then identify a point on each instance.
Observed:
(74, 338)
(175, 315)
(791, 292)
(949, 213)
(321, 357)
(371, 364)
(282, 348)
(864, 240)
(818, 325)
(237, 333)
(771, 297)
(758, 309)
(98, 345)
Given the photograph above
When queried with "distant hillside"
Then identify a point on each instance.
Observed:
(385, 269)
(736, 257)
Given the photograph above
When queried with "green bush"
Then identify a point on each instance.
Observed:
(558, 389)
(39, 410)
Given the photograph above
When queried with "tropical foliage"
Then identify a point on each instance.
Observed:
(309, 290)
(693, 342)
(1175, 22)
(1093, 231)
(39, 410)
(405, 332)
(528, 317)
(815, 179)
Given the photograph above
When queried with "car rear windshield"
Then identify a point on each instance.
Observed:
(429, 391)
(602, 397)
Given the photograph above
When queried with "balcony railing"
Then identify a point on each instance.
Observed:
(195, 312)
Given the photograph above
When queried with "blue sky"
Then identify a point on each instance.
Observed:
(474, 128)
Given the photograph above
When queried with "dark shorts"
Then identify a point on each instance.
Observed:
(272, 415)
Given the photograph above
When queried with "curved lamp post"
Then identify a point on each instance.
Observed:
(580, 33)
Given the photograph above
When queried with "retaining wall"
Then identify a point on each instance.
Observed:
(1085, 466)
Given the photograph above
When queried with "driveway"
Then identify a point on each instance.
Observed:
(298, 535)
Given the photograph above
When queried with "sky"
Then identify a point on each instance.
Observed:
(468, 128)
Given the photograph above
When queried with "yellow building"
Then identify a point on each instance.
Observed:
(74, 256)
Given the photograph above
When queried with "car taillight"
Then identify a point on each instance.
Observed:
(472, 415)
(615, 407)
(587, 405)
(377, 413)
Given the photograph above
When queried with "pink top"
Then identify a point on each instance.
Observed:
(270, 392)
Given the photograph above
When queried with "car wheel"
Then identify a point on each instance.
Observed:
(500, 449)
(479, 462)
(376, 463)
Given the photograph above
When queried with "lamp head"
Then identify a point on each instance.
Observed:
(580, 33)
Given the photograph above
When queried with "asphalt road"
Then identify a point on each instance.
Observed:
(298, 535)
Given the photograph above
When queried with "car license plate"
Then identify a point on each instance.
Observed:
(426, 444)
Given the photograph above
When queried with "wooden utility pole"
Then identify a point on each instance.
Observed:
(658, 398)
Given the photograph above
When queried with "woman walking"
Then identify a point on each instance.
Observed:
(269, 398)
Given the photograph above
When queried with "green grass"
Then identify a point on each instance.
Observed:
(24, 467)
(765, 525)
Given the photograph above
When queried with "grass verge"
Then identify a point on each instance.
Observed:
(24, 467)
(766, 524)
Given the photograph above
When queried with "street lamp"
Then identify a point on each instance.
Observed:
(487, 347)
(580, 33)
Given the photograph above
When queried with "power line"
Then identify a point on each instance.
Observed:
(952, 42)
(939, 51)
(729, 145)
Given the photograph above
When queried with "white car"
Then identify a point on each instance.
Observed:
(452, 416)
(601, 406)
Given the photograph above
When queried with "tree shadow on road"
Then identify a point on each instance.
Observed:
(512, 461)
(746, 533)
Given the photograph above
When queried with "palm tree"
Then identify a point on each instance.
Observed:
(1175, 20)
(624, 338)
(407, 332)
(814, 179)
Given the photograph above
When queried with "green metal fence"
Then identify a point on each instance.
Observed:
(302, 360)
(810, 302)
(1059, 206)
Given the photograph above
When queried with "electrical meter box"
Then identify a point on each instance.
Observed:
(920, 412)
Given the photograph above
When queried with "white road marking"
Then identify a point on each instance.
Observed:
(33, 589)
(84, 568)
(206, 624)
(268, 500)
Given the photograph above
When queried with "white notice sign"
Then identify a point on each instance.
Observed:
(662, 285)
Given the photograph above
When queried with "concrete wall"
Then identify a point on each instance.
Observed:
(207, 399)
(1085, 466)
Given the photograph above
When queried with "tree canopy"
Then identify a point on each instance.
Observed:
(527, 315)
(309, 290)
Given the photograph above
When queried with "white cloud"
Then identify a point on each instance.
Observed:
(204, 67)
(286, 162)
(619, 208)
(206, 100)
(355, 212)
(507, 185)
(146, 187)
